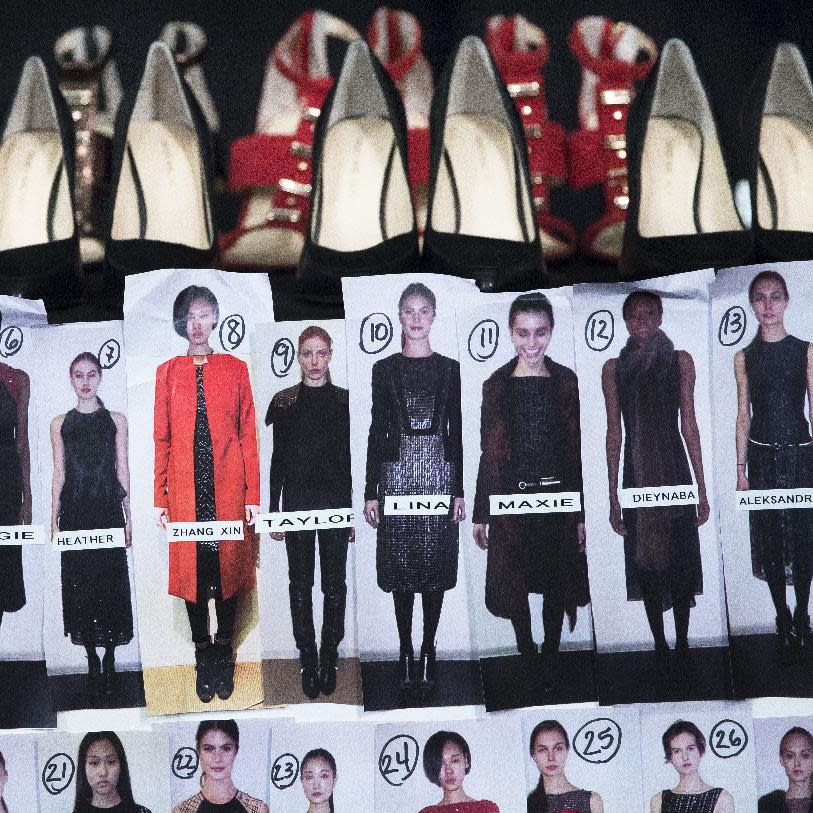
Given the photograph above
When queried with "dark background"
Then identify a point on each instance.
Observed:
(728, 40)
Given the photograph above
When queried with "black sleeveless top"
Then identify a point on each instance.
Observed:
(777, 385)
(690, 802)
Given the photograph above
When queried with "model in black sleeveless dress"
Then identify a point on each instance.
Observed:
(780, 455)
(12, 588)
(96, 606)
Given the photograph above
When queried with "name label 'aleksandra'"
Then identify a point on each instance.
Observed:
(776, 499)
(305, 520)
(418, 505)
(219, 529)
(21, 534)
(559, 502)
(89, 540)
(656, 496)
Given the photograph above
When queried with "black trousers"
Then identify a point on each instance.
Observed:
(301, 549)
(198, 612)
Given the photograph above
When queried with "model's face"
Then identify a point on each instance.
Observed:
(685, 756)
(416, 317)
(314, 359)
(769, 302)
(796, 757)
(85, 379)
(217, 752)
(531, 334)
(318, 780)
(200, 321)
(550, 753)
(643, 319)
(103, 769)
(453, 767)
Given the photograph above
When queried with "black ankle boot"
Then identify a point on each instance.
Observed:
(328, 669)
(427, 667)
(802, 632)
(224, 669)
(109, 672)
(204, 685)
(94, 672)
(786, 634)
(406, 668)
(309, 671)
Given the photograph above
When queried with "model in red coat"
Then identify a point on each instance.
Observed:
(206, 469)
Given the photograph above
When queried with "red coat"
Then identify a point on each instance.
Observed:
(230, 410)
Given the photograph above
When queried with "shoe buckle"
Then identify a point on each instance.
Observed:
(616, 96)
(301, 150)
(533, 131)
(523, 90)
(292, 187)
(286, 215)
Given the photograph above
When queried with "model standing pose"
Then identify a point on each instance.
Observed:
(683, 747)
(310, 469)
(774, 377)
(206, 469)
(530, 443)
(549, 746)
(415, 447)
(651, 387)
(90, 491)
(15, 481)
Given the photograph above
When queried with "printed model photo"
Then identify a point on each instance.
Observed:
(656, 577)
(763, 361)
(527, 431)
(18, 773)
(305, 448)
(413, 451)
(784, 764)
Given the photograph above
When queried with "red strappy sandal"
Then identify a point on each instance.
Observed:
(614, 57)
(520, 50)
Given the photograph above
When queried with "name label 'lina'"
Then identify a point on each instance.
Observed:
(305, 520)
(559, 502)
(418, 505)
(657, 496)
(217, 530)
(95, 539)
(773, 499)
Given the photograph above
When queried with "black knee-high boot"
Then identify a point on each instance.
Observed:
(523, 632)
(654, 616)
(801, 617)
(784, 621)
(682, 610)
(553, 616)
(94, 667)
(432, 603)
(404, 604)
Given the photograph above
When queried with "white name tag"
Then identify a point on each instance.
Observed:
(88, 540)
(418, 505)
(548, 503)
(217, 530)
(21, 534)
(304, 520)
(655, 496)
(776, 499)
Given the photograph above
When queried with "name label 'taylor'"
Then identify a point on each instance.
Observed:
(418, 505)
(217, 529)
(773, 499)
(22, 534)
(656, 496)
(88, 540)
(305, 520)
(558, 502)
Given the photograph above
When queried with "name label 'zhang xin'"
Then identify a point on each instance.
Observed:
(559, 502)
(418, 505)
(231, 529)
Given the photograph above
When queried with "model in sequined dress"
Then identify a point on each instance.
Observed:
(774, 377)
(206, 469)
(650, 388)
(90, 492)
(549, 748)
(415, 448)
(530, 444)
(15, 481)
(683, 748)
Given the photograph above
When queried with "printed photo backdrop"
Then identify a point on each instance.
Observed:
(352, 746)
(733, 328)
(485, 346)
(58, 766)
(22, 787)
(600, 334)
(150, 339)
(276, 369)
(20, 631)
(497, 764)
(56, 348)
(729, 758)
(185, 767)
